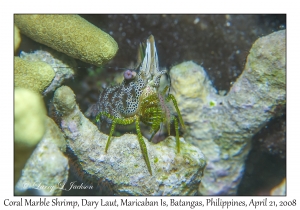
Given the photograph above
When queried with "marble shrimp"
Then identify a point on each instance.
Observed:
(137, 99)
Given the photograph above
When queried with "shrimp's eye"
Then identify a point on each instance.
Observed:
(129, 74)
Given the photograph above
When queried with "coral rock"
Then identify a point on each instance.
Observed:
(222, 126)
(46, 171)
(122, 170)
(63, 65)
(69, 34)
(191, 76)
(35, 76)
(279, 189)
(64, 100)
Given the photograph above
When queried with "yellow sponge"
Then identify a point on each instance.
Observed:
(17, 38)
(32, 75)
(69, 34)
(30, 116)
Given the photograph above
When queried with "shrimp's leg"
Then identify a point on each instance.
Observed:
(171, 97)
(115, 120)
(177, 134)
(142, 144)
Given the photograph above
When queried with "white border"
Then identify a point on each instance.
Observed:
(224, 7)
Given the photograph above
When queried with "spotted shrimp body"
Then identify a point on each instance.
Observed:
(137, 99)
